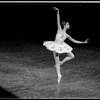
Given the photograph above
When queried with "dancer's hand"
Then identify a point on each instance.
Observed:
(86, 41)
(55, 8)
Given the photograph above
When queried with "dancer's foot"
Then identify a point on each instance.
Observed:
(60, 62)
(56, 65)
(59, 78)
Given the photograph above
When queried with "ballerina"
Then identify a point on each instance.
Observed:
(59, 46)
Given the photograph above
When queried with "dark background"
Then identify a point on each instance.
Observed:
(37, 22)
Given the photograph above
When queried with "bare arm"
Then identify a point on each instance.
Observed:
(76, 41)
(58, 18)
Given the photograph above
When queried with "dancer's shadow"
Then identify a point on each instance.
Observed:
(58, 89)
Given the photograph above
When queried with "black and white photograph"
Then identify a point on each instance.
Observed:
(50, 50)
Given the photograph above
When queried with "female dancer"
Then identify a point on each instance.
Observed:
(59, 46)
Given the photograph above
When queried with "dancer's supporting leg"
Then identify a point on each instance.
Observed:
(57, 65)
(56, 57)
(70, 56)
(58, 72)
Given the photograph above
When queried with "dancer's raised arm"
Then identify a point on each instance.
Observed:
(76, 41)
(58, 18)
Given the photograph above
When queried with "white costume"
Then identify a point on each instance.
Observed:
(60, 47)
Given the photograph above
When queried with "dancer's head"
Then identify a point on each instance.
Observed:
(66, 25)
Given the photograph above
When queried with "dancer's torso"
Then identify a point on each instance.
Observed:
(60, 36)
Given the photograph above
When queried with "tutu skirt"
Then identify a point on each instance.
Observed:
(57, 47)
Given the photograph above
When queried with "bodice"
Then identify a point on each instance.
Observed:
(60, 36)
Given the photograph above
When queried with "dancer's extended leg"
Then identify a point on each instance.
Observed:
(70, 56)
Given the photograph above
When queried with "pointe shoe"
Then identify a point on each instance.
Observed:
(60, 62)
(59, 78)
(56, 65)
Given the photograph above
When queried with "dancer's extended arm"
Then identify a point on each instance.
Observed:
(58, 18)
(76, 41)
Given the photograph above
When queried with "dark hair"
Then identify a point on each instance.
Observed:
(64, 23)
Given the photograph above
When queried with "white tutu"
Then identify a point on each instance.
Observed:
(59, 48)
